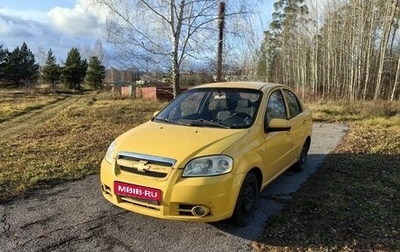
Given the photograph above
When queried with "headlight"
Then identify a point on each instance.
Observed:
(110, 152)
(208, 166)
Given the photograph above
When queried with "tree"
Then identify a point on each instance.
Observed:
(391, 7)
(20, 64)
(168, 32)
(30, 69)
(3, 56)
(281, 44)
(267, 57)
(74, 70)
(95, 73)
(339, 49)
(51, 71)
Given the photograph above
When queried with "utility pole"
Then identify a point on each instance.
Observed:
(221, 17)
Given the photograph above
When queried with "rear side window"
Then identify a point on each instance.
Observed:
(293, 103)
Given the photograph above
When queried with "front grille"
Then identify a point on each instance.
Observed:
(151, 160)
(144, 165)
(144, 173)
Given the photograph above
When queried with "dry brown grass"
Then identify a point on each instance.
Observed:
(352, 202)
(70, 145)
(17, 102)
(335, 111)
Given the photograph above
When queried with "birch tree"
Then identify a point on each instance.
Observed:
(350, 53)
(165, 33)
(390, 6)
(282, 40)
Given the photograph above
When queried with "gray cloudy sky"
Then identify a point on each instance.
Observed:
(56, 24)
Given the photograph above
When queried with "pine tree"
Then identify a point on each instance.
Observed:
(30, 69)
(13, 67)
(95, 73)
(74, 70)
(51, 71)
(20, 64)
(3, 56)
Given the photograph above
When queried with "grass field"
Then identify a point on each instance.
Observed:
(352, 203)
(68, 146)
(15, 103)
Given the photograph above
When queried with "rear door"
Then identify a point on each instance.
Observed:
(298, 122)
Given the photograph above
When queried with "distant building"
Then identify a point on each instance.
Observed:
(121, 77)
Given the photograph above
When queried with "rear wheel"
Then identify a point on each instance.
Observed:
(247, 200)
(301, 164)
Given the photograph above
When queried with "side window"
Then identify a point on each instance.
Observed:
(293, 103)
(276, 106)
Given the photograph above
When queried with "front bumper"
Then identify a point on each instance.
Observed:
(178, 195)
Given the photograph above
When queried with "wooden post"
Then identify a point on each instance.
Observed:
(221, 15)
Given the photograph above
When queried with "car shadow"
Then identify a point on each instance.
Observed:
(335, 206)
(272, 199)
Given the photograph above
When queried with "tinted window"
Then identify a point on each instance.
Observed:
(293, 103)
(276, 106)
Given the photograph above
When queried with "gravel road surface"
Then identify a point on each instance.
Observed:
(75, 217)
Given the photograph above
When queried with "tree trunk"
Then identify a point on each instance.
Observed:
(369, 54)
(176, 31)
(396, 81)
(386, 32)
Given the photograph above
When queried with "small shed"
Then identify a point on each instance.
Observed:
(155, 93)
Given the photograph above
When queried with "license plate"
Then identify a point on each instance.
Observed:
(135, 191)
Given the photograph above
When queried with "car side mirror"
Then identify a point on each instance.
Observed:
(277, 124)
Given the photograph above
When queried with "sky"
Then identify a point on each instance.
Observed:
(52, 24)
(48, 24)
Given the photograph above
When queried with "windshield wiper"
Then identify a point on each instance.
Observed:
(202, 122)
(170, 121)
(165, 120)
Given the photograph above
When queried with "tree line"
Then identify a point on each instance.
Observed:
(18, 67)
(341, 49)
(336, 49)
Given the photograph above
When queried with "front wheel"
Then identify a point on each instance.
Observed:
(247, 200)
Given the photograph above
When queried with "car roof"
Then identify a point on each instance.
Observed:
(241, 84)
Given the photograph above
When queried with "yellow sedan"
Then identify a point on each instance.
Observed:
(207, 155)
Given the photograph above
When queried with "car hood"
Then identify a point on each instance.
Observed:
(178, 142)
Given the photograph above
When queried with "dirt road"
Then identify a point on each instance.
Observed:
(74, 216)
(19, 123)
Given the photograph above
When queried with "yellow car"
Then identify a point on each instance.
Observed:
(207, 155)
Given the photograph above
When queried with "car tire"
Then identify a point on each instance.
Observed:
(247, 200)
(301, 163)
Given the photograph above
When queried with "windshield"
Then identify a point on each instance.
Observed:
(216, 107)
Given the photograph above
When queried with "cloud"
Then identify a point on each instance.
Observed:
(15, 28)
(58, 28)
(76, 21)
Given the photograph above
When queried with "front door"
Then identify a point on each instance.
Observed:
(278, 145)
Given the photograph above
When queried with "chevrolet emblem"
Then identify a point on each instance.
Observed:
(141, 166)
